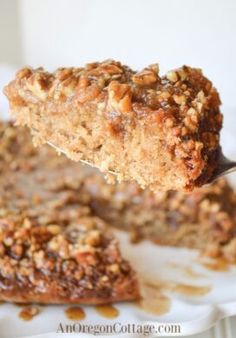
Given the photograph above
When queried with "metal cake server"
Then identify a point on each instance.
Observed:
(82, 161)
(225, 166)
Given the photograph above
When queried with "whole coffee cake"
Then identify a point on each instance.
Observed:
(52, 249)
(162, 132)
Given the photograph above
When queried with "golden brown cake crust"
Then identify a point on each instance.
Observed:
(162, 132)
(52, 249)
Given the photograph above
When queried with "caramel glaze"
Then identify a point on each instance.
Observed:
(75, 313)
(190, 290)
(28, 312)
(181, 288)
(107, 311)
(217, 265)
(153, 301)
(187, 270)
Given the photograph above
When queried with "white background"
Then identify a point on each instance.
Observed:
(52, 33)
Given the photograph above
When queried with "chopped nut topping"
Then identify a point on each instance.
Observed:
(119, 97)
(37, 86)
(146, 77)
(179, 99)
(172, 76)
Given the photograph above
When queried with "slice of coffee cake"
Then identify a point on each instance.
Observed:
(52, 249)
(162, 132)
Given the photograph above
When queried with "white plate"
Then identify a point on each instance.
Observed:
(194, 314)
(154, 263)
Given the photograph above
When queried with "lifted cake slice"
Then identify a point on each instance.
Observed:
(52, 250)
(162, 132)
